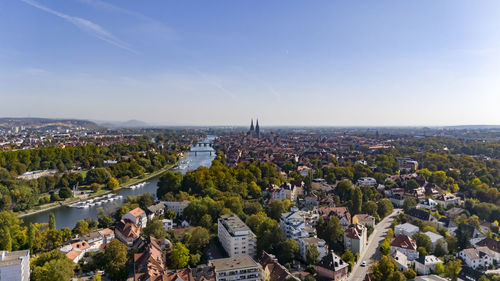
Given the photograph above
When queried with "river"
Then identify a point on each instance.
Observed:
(199, 155)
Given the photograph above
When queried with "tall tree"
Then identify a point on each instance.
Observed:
(179, 256)
(357, 200)
(452, 268)
(52, 221)
(115, 260)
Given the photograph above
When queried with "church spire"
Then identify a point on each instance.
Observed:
(257, 129)
(251, 126)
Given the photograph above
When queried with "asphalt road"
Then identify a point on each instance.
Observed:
(371, 252)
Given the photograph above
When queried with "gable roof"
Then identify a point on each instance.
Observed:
(200, 273)
(277, 271)
(404, 242)
(332, 262)
(419, 214)
(492, 244)
(355, 231)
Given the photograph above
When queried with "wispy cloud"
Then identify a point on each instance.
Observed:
(218, 85)
(85, 25)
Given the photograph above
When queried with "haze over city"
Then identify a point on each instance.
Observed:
(334, 63)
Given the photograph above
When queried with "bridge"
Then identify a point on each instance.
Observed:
(204, 144)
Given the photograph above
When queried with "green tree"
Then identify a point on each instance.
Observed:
(95, 187)
(439, 178)
(409, 204)
(410, 274)
(312, 254)
(54, 238)
(357, 201)
(155, 228)
(440, 249)
(277, 207)
(385, 248)
(50, 266)
(115, 260)
(65, 192)
(169, 182)
(81, 228)
(289, 248)
(423, 240)
(382, 269)
(385, 208)
(332, 233)
(452, 268)
(98, 175)
(97, 277)
(200, 238)
(52, 221)
(370, 208)
(179, 256)
(397, 276)
(439, 269)
(348, 257)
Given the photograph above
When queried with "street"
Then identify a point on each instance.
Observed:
(371, 252)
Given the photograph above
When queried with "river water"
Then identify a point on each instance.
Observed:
(200, 155)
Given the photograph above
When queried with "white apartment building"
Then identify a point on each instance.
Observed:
(15, 266)
(236, 237)
(297, 224)
(407, 229)
(479, 257)
(237, 268)
(178, 207)
(319, 243)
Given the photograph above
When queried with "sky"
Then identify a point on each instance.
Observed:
(223, 62)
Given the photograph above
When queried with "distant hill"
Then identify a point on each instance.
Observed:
(124, 124)
(38, 123)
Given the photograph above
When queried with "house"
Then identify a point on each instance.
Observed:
(75, 251)
(355, 237)
(167, 224)
(367, 181)
(332, 267)
(470, 274)
(136, 216)
(406, 229)
(149, 263)
(319, 243)
(416, 193)
(426, 264)
(155, 210)
(454, 212)
(236, 237)
(15, 265)
(178, 207)
(430, 278)
(479, 257)
(127, 232)
(295, 225)
(364, 219)
(405, 245)
(341, 212)
(428, 204)
(435, 238)
(303, 170)
(493, 245)
(237, 268)
(199, 273)
(400, 259)
(397, 199)
(448, 224)
(407, 164)
(275, 192)
(447, 199)
(421, 215)
(272, 269)
(472, 232)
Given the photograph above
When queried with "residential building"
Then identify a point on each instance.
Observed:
(75, 251)
(296, 224)
(340, 212)
(155, 210)
(332, 267)
(167, 224)
(319, 243)
(367, 181)
(355, 237)
(479, 257)
(364, 219)
(149, 263)
(136, 216)
(405, 245)
(98, 238)
(435, 238)
(426, 264)
(15, 266)
(470, 274)
(273, 270)
(421, 215)
(127, 232)
(407, 164)
(406, 229)
(492, 244)
(275, 192)
(400, 259)
(200, 273)
(237, 268)
(236, 237)
(447, 199)
(430, 278)
(178, 207)
(428, 204)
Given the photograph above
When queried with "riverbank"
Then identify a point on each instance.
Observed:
(54, 205)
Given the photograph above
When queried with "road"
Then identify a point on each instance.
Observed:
(371, 252)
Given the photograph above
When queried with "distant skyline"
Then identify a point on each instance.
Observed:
(285, 62)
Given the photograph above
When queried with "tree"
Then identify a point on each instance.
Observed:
(397, 276)
(370, 208)
(440, 249)
(98, 175)
(52, 221)
(200, 238)
(65, 192)
(54, 238)
(332, 233)
(277, 207)
(410, 274)
(194, 260)
(385, 248)
(155, 228)
(439, 178)
(169, 182)
(50, 266)
(357, 201)
(424, 241)
(422, 251)
(289, 248)
(179, 256)
(382, 269)
(409, 204)
(97, 277)
(312, 254)
(452, 268)
(439, 269)
(81, 228)
(348, 257)
(385, 207)
(113, 183)
(115, 260)
(95, 187)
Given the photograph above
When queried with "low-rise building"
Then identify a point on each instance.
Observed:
(367, 181)
(15, 266)
(273, 270)
(236, 237)
(155, 210)
(448, 199)
(340, 212)
(405, 245)
(295, 224)
(237, 268)
(479, 257)
(406, 229)
(200, 273)
(136, 216)
(127, 232)
(75, 251)
(435, 238)
(400, 259)
(426, 264)
(167, 224)
(355, 237)
(148, 261)
(177, 206)
(319, 243)
(364, 219)
(332, 267)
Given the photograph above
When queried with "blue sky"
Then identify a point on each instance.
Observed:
(286, 62)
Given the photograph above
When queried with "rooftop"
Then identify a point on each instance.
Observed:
(234, 224)
(233, 263)
(10, 258)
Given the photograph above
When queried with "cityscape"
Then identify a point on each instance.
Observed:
(249, 141)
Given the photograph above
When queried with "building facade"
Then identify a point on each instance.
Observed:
(236, 237)
(15, 266)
